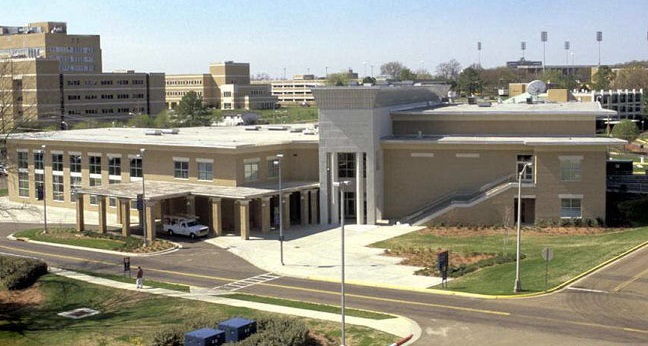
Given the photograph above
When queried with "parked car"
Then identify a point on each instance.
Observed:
(184, 225)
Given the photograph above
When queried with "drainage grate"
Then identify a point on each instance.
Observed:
(78, 313)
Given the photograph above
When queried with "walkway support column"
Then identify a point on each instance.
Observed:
(244, 218)
(191, 205)
(80, 219)
(313, 207)
(304, 203)
(334, 212)
(124, 206)
(101, 204)
(217, 217)
(149, 214)
(359, 193)
(286, 211)
(265, 214)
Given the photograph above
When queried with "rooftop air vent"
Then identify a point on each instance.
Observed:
(153, 132)
(253, 128)
(170, 131)
(278, 128)
(297, 129)
(484, 104)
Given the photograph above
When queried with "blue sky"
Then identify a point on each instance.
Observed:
(302, 36)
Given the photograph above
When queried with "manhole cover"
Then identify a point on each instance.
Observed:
(78, 313)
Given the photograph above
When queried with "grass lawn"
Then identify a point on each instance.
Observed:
(127, 317)
(308, 306)
(95, 240)
(575, 250)
(131, 280)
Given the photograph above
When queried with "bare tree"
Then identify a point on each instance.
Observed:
(449, 70)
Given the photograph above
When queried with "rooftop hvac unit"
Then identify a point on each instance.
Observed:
(278, 128)
(253, 128)
(153, 132)
(170, 131)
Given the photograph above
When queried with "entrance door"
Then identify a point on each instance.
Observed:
(527, 216)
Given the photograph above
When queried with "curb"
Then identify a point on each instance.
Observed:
(112, 252)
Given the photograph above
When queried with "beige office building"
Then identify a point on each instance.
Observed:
(404, 157)
(226, 86)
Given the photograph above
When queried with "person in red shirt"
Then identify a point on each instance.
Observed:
(140, 277)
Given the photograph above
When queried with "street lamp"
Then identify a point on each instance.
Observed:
(342, 185)
(277, 162)
(141, 155)
(517, 287)
(43, 190)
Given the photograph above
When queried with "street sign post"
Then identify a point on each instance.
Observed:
(547, 255)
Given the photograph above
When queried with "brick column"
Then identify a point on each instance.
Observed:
(80, 220)
(124, 206)
(101, 205)
(304, 202)
(191, 205)
(150, 220)
(313, 206)
(244, 218)
(265, 214)
(217, 217)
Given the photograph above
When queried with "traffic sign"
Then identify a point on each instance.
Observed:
(547, 254)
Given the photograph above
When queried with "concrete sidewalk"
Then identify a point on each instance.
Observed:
(399, 326)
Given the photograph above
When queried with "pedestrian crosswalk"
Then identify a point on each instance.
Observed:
(251, 281)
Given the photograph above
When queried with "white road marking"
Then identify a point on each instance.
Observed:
(251, 281)
(585, 290)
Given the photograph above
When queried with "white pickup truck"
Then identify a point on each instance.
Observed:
(184, 226)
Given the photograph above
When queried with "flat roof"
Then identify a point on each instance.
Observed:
(508, 140)
(569, 108)
(226, 137)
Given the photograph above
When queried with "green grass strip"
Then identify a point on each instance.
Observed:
(308, 306)
(131, 280)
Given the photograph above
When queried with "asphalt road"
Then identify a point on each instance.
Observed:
(606, 308)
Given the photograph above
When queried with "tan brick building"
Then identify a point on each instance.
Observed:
(226, 86)
(406, 157)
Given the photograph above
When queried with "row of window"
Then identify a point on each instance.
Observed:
(75, 161)
(76, 68)
(84, 50)
(184, 82)
(106, 111)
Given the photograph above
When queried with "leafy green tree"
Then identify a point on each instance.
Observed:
(559, 80)
(190, 110)
(369, 80)
(142, 120)
(392, 69)
(469, 80)
(423, 74)
(603, 78)
(626, 130)
(338, 79)
(407, 74)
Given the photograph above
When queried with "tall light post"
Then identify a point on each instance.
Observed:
(599, 38)
(342, 185)
(43, 189)
(523, 47)
(543, 38)
(326, 72)
(566, 52)
(141, 155)
(277, 162)
(517, 287)
(479, 46)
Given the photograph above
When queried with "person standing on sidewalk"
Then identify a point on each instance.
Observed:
(140, 277)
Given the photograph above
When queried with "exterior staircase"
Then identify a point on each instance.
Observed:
(460, 200)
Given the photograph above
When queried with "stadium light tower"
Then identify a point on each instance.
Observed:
(543, 38)
(599, 38)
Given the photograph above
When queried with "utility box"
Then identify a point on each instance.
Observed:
(237, 329)
(204, 337)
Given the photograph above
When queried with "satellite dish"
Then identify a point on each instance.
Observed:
(536, 87)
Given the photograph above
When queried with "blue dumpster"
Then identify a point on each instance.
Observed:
(205, 337)
(238, 328)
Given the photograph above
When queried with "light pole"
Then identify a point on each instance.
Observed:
(281, 237)
(599, 38)
(517, 287)
(325, 72)
(342, 185)
(543, 38)
(141, 155)
(43, 189)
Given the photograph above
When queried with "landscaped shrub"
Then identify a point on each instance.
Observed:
(278, 331)
(18, 272)
(169, 337)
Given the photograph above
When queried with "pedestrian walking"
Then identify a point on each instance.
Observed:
(140, 277)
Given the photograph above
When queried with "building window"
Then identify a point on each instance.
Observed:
(23, 160)
(75, 163)
(251, 169)
(528, 172)
(227, 94)
(58, 192)
(273, 169)
(346, 165)
(75, 185)
(205, 171)
(94, 182)
(94, 164)
(570, 208)
(227, 105)
(181, 169)
(114, 166)
(57, 162)
(136, 167)
(570, 168)
(38, 160)
(112, 201)
(23, 184)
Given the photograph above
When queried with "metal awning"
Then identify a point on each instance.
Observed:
(158, 190)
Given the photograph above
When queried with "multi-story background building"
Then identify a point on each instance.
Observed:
(46, 73)
(297, 91)
(226, 86)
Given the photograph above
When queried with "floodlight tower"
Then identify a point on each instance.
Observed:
(523, 47)
(543, 38)
(599, 38)
(479, 51)
(566, 52)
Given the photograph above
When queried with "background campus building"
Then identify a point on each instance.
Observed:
(226, 86)
(46, 73)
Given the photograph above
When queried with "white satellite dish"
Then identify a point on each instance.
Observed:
(536, 87)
